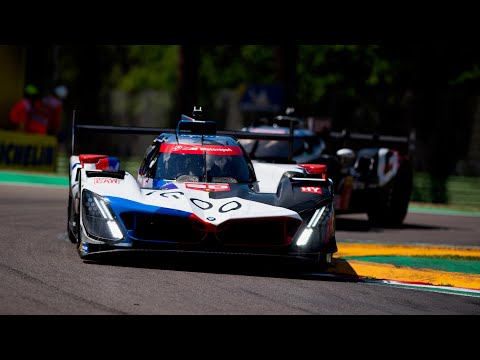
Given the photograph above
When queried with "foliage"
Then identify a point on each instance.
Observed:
(149, 67)
(227, 66)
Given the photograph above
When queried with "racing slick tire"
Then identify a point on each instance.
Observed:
(71, 219)
(391, 206)
(71, 235)
(324, 261)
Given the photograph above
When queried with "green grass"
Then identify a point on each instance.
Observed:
(465, 265)
(462, 192)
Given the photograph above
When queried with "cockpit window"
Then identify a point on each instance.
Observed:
(203, 164)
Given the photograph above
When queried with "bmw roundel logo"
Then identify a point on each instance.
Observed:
(211, 218)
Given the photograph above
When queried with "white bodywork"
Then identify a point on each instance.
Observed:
(392, 166)
(181, 198)
(269, 175)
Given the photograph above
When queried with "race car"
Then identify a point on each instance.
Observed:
(198, 192)
(377, 180)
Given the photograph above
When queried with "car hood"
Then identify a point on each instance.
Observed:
(185, 199)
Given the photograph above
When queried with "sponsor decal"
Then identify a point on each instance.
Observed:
(208, 187)
(99, 180)
(84, 247)
(311, 189)
(201, 149)
(211, 218)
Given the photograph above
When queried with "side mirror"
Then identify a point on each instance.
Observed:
(346, 156)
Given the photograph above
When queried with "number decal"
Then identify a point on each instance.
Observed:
(230, 206)
(204, 205)
(201, 204)
(172, 194)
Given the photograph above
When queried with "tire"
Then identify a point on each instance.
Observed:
(70, 219)
(324, 261)
(77, 219)
(391, 205)
(71, 234)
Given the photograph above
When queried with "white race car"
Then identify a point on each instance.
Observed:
(198, 192)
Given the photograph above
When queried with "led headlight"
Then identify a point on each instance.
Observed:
(98, 219)
(308, 231)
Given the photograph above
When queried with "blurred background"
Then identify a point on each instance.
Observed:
(429, 90)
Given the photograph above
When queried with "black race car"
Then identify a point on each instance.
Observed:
(374, 178)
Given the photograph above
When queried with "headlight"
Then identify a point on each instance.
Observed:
(312, 224)
(98, 219)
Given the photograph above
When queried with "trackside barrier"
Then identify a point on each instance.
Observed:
(28, 152)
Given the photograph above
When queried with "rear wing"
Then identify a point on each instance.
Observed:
(137, 130)
(343, 139)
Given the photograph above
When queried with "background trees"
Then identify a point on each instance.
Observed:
(390, 89)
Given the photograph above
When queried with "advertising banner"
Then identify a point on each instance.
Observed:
(28, 152)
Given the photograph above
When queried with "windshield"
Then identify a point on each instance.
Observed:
(191, 166)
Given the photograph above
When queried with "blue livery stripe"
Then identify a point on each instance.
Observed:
(120, 205)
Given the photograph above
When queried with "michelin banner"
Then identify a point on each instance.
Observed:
(20, 151)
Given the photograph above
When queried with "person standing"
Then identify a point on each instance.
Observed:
(21, 112)
(53, 104)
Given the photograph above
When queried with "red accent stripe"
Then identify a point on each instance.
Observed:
(103, 164)
(100, 161)
(200, 149)
(91, 158)
(314, 168)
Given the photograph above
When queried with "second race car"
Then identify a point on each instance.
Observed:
(377, 180)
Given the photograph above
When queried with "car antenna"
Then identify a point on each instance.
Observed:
(197, 114)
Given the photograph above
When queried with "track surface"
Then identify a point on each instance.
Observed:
(417, 229)
(41, 273)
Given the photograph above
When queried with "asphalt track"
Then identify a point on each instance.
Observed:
(41, 273)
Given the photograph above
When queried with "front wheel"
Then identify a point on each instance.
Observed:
(70, 221)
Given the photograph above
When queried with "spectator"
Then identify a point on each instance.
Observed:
(21, 112)
(53, 104)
